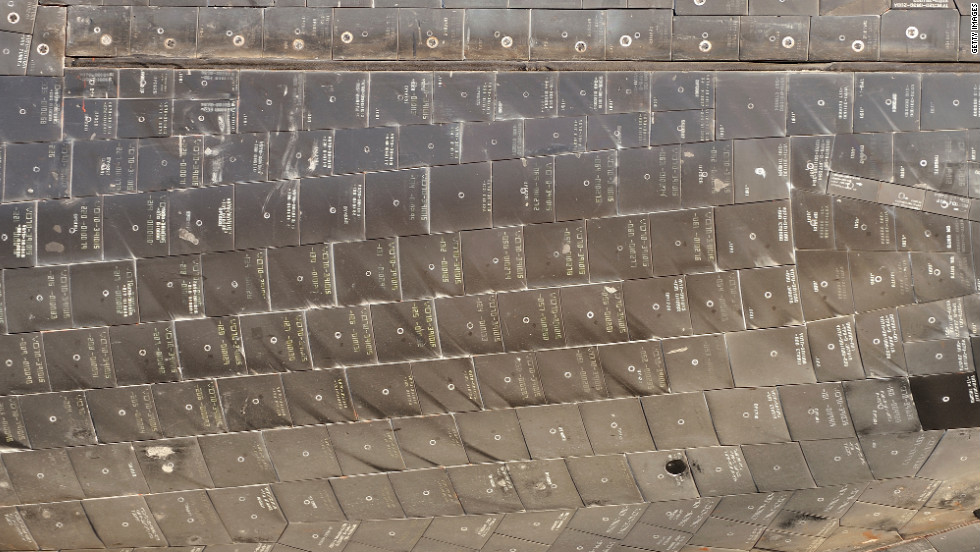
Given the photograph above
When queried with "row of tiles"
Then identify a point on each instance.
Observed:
(873, 274)
(503, 193)
(551, 153)
(505, 260)
(279, 458)
(222, 102)
(239, 402)
(612, 312)
(220, 518)
(809, 519)
(210, 159)
(707, 31)
(372, 98)
(597, 435)
(475, 261)
(495, 185)
(919, 339)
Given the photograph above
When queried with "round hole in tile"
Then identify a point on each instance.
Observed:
(676, 466)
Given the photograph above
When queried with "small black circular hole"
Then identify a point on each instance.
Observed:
(976, 513)
(676, 467)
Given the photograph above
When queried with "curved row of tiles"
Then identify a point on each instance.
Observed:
(542, 432)
(306, 513)
(868, 345)
(768, 300)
